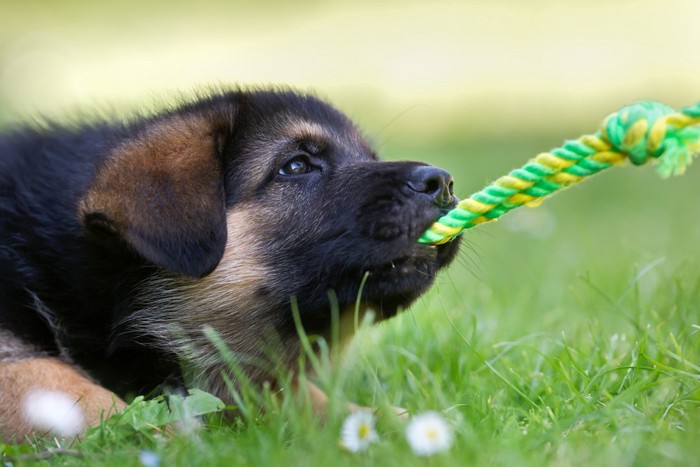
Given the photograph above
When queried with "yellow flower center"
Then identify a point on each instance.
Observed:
(363, 432)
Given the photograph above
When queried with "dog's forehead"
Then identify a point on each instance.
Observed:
(277, 119)
(345, 138)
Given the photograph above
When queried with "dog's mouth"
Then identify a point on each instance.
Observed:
(394, 285)
(377, 263)
(407, 265)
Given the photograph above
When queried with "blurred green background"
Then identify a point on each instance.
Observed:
(409, 69)
(477, 87)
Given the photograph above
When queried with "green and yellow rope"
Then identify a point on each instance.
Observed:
(640, 132)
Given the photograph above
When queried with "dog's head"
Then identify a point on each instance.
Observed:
(247, 199)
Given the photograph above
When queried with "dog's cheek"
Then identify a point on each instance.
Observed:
(237, 301)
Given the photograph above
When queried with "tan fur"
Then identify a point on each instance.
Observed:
(303, 129)
(352, 142)
(19, 378)
(178, 309)
(177, 154)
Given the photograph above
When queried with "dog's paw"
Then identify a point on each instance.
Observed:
(40, 396)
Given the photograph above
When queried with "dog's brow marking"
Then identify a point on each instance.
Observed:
(307, 129)
(347, 138)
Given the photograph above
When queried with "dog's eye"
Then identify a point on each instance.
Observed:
(298, 166)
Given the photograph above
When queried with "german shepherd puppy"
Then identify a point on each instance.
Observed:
(121, 241)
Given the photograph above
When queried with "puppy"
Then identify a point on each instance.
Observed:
(125, 244)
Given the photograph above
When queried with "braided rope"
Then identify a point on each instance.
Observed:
(640, 132)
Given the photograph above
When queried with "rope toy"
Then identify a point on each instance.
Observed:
(640, 132)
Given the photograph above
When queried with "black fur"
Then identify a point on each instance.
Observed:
(70, 279)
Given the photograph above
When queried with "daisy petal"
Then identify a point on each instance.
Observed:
(358, 431)
(428, 433)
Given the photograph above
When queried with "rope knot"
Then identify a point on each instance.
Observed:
(638, 130)
(651, 130)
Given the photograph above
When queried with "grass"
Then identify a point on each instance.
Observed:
(565, 335)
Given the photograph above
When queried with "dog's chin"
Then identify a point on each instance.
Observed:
(393, 286)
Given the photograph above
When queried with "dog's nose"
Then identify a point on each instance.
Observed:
(432, 181)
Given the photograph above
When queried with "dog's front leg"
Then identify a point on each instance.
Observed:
(20, 379)
(319, 400)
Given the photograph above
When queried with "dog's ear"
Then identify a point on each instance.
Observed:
(162, 192)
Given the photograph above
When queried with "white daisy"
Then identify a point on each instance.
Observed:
(358, 431)
(428, 433)
(53, 411)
